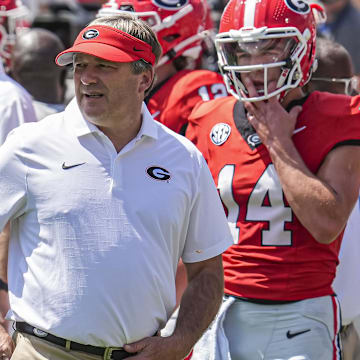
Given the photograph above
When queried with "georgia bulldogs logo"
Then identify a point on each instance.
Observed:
(220, 133)
(298, 6)
(170, 4)
(253, 140)
(90, 34)
(158, 173)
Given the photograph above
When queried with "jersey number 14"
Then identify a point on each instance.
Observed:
(275, 212)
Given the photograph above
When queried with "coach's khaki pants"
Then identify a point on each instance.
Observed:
(32, 348)
(351, 342)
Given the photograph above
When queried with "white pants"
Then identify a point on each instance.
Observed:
(303, 330)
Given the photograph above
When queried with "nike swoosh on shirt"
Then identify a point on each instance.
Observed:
(65, 167)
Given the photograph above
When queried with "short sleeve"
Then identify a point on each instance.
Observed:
(12, 180)
(208, 232)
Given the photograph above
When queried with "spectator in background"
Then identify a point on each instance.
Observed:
(34, 68)
(335, 70)
(343, 26)
(15, 106)
(333, 78)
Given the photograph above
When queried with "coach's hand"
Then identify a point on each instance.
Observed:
(7, 346)
(155, 348)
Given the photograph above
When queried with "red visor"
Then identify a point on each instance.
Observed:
(109, 44)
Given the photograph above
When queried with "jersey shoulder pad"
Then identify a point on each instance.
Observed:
(330, 105)
(204, 108)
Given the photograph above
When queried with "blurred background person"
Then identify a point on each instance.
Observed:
(14, 19)
(335, 69)
(33, 66)
(16, 105)
(343, 25)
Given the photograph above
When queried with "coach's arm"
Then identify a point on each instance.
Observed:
(6, 344)
(198, 307)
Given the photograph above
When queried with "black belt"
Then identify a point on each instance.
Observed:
(262, 301)
(107, 353)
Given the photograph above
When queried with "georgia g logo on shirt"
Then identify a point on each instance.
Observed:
(158, 173)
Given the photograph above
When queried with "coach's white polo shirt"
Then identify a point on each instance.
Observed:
(96, 235)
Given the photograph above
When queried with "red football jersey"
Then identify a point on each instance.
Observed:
(173, 102)
(273, 257)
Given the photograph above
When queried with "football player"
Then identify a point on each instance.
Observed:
(287, 167)
(182, 26)
(13, 19)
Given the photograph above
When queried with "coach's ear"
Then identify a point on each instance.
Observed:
(146, 79)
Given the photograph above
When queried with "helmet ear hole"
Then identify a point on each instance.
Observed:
(170, 38)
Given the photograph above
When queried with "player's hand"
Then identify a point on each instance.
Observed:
(155, 348)
(7, 346)
(269, 119)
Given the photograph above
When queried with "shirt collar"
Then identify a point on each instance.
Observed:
(83, 127)
(148, 126)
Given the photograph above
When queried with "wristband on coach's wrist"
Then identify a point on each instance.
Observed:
(3, 285)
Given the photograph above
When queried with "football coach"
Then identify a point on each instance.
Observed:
(103, 201)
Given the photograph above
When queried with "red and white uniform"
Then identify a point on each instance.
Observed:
(273, 257)
(173, 102)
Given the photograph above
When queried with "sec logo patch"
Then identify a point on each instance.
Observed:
(220, 133)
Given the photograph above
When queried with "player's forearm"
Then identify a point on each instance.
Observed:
(199, 305)
(316, 204)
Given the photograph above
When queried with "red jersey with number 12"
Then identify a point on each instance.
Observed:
(273, 257)
(173, 102)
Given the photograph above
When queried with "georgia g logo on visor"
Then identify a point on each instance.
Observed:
(299, 6)
(158, 173)
(170, 4)
(90, 34)
(220, 133)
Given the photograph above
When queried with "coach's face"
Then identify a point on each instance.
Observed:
(105, 91)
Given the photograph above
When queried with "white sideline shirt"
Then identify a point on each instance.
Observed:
(16, 106)
(94, 247)
(347, 281)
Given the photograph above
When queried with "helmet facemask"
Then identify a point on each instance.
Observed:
(257, 53)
